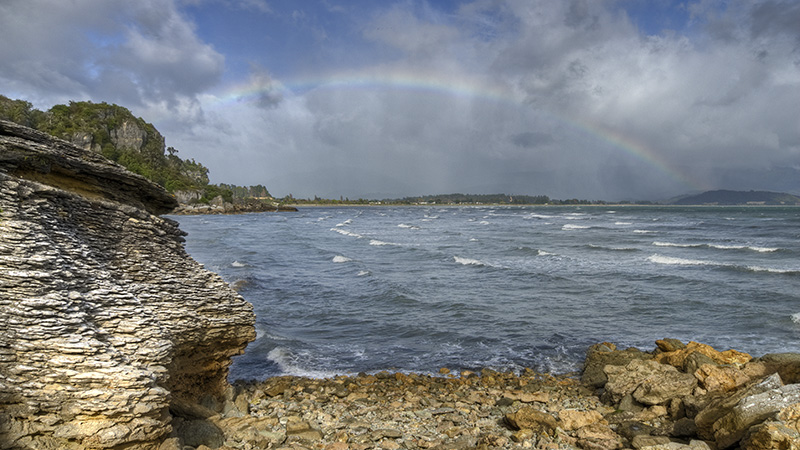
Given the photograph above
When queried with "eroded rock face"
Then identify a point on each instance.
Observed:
(106, 320)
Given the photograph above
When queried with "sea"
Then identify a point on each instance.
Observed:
(344, 290)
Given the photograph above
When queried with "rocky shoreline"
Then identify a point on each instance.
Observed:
(240, 206)
(678, 396)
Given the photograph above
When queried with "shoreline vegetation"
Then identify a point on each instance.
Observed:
(676, 397)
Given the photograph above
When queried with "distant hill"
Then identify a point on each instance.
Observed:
(726, 197)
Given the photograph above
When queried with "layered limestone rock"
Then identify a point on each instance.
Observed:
(106, 324)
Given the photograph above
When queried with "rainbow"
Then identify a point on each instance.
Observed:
(460, 87)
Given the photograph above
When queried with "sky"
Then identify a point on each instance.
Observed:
(591, 99)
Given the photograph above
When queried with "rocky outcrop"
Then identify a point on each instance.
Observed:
(239, 206)
(109, 330)
(681, 392)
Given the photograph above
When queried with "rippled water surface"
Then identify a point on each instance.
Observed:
(343, 290)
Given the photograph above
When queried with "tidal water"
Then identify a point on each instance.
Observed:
(347, 290)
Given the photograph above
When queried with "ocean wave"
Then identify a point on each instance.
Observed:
(644, 232)
(796, 318)
(238, 264)
(381, 243)
(544, 253)
(346, 233)
(346, 222)
(341, 259)
(744, 247)
(570, 226)
(774, 270)
(613, 249)
(471, 262)
(410, 227)
(363, 273)
(537, 216)
(718, 247)
(623, 223)
(668, 260)
(671, 244)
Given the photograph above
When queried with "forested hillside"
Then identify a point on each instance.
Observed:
(117, 134)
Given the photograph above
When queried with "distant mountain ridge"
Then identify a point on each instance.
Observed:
(728, 197)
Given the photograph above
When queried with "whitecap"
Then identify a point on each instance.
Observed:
(671, 244)
(380, 243)
(644, 232)
(238, 264)
(341, 259)
(744, 247)
(346, 233)
(468, 261)
(289, 365)
(796, 318)
(537, 216)
(363, 273)
(544, 253)
(669, 260)
(410, 227)
(623, 223)
(569, 226)
(483, 222)
(346, 222)
(773, 270)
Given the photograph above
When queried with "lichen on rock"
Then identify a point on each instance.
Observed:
(106, 320)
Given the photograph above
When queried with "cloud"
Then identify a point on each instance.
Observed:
(132, 53)
(567, 99)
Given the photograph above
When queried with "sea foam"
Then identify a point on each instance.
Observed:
(341, 259)
(570, 226)
(468, 261)
(796, 318)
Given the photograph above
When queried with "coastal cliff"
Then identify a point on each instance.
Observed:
(110, 332)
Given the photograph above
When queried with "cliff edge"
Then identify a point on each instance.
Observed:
(108, 329)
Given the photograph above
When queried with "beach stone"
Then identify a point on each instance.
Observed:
(669, 345)
(645, 441)
(598, 436)
(572, 419)
(532, 419)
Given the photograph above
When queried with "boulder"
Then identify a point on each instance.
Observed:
(648, 382)
(715, 378)
(527, 418)
(714, 410)
(753, 410)
(573, 419)
(601, 355)
(787, 365)
(678, 357)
